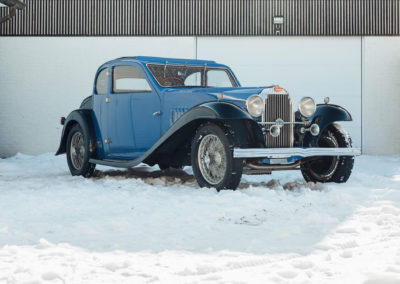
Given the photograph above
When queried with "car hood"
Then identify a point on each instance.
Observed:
(235, 95)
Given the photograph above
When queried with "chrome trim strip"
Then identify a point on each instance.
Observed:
(285, 122)
(291, 152)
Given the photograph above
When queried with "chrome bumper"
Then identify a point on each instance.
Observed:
(278, 153)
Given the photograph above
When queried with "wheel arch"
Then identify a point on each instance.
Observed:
(325, 116)
(84, 118)
(177, 139)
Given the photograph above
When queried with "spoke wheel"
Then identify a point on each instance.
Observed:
(212, 159)
(77, 150)
(78, 154)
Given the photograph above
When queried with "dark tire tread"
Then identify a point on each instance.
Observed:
(88, 168)
(345, 164)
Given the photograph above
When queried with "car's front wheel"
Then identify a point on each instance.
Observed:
(330, 168)
(78, 153)
(212, 159)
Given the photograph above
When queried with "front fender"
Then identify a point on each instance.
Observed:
(247, 132)
(325, 115)
(245, 128)
(84, 118)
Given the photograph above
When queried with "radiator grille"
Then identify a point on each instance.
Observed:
(279, 106)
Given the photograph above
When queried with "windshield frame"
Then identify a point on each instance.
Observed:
(204, 67)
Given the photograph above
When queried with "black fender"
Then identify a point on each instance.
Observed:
(246, 132)
(84, 118)
(325, 115)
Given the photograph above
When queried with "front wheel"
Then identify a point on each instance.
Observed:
(78, 153)
(212, 159)
(330, 168)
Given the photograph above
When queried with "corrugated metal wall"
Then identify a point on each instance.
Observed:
(203, 17)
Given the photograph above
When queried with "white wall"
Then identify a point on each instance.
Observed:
(42, 79)
(306, 66)
(381, 95)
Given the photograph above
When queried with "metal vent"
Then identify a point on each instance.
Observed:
(203, 17)
(279, 106)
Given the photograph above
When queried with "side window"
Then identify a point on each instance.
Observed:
(129, 79)
(102, 82)
(218, 78)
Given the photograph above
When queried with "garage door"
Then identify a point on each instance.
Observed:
(305, 66)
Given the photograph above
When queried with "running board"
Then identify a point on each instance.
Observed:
(276, 153)
(117, 163)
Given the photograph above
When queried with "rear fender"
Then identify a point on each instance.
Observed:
(325, 115)
(84, 118)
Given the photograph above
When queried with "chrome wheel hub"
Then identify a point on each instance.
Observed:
(77, 150)
(212, 159)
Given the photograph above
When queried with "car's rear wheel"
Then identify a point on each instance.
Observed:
(78, 153)
(330, 168)
(212, 159)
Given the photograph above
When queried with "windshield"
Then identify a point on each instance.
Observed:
(191, 76)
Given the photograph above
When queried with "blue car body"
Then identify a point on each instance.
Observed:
(156, 125)
(128, 120)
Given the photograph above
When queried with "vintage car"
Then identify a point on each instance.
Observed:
(182, 112)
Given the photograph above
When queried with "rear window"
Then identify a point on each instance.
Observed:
(191, 76)
(102, 82)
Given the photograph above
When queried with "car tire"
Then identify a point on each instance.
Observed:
(330, 169)
(212, 158)
(78, 153)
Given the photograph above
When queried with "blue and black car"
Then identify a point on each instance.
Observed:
(184, 112)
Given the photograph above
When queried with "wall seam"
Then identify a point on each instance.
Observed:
(195, 47)
(362, 95)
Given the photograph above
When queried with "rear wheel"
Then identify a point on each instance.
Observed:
(330, 169)
(212, 160)
(78, 153)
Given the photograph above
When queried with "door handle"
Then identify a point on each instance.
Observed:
(157, 113)
(107, 100)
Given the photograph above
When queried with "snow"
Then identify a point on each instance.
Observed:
(143, 225)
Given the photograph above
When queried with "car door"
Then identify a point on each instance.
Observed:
(133, 113)
(101, 98)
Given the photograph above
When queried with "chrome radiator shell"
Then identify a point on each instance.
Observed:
(279, 105)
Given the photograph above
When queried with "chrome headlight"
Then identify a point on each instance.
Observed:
(307, 106)
(255, 105)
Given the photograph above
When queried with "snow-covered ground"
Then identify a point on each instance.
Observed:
(143, 225)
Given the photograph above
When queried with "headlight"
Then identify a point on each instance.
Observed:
(255, 105)
(307, 106)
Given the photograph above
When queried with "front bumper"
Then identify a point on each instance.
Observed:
(282, 153)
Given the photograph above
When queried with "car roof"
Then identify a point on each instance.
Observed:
(164, 60)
